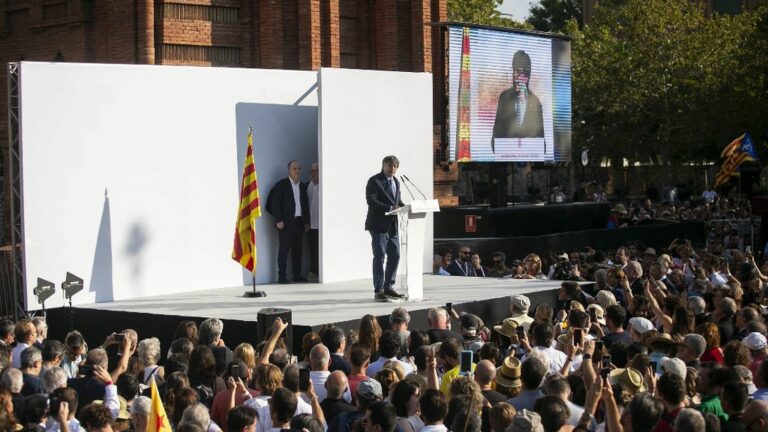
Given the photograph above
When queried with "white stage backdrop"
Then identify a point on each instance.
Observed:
(364, 116)
(131, 174)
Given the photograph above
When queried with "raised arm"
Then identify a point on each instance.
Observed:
(277, 329)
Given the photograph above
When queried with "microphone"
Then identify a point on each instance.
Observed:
(414, 185)
(402, 178)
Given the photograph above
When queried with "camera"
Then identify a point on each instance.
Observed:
(118, 337)
(85, 370)
(234, 370)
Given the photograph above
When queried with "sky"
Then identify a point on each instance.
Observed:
(517, 8)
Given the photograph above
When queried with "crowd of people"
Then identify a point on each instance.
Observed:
(667, 341)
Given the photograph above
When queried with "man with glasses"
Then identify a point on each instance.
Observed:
(518, 113)
(461, 266)
(499, 268)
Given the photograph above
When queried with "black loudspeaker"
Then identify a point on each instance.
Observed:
(266, 317)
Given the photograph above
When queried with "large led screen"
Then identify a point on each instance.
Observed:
(509, 96)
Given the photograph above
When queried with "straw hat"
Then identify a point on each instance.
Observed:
(507, 327)
(508, 374)
(619, 208)
(660, 338)
(599, 312)
(629, 379)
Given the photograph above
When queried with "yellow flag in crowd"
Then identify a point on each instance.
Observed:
(158, 421)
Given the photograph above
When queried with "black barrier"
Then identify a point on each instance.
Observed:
(522, 220)
(655, 234)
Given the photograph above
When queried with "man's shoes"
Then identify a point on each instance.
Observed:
(389, 292)
(380, 297)
(300, 278)
(283, 281)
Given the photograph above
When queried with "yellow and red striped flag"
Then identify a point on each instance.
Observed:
(158, 421)
(463, 149)
(244, 249)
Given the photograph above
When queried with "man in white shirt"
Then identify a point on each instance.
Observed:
(313, 235)
(288, 203)
(26, 335)
(542, 341)
(389, 349)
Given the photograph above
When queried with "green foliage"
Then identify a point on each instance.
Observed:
(556, 15)
(659, 81)
(481, 12)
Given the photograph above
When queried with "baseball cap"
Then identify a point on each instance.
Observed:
(755, 341)
(640, 324)
(674, 366)
(526, 421)
(369, 389)
(695, 342)
(520, 302)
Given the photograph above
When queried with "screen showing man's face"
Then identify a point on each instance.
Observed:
(520, 78)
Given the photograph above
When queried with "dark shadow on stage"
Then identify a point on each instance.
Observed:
(101, 272)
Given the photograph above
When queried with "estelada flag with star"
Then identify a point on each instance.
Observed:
(158, 421)
(737, 152)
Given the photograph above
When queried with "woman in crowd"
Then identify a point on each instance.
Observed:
(713, 352)
(405, 397)
(369, 334)
(533, 266)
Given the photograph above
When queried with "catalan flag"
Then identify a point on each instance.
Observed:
(158, 420)
(463, 150)
(244, 249)
(737, 152)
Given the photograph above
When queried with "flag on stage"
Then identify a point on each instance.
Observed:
(158, 421)
(463, 149)
(737, 152)
(244, 249)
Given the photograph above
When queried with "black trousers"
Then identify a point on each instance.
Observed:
(314, 250)
(291, 238)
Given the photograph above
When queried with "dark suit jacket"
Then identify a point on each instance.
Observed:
(505, 125)
(282, 205)
(32, 385)
(88, 390)
(380, 201)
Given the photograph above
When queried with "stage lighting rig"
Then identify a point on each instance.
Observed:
(43, 291)
(71, 286)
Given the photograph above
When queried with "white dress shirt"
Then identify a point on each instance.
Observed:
(296, 196)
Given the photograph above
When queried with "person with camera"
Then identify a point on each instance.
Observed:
(94, 382)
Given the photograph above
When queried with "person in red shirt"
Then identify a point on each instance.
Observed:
(360, 358)
(711, 334)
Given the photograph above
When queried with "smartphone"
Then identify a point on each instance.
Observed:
(85, 370)
(604, 372)
(449, 309)
(607, 361)
(653, 366)
(465, 364)
(118, 337)
(749, 249)
(53, 406)
(234, 370)
(599, 346)
(593, 315)
(578, 337)
(562, 304)
(303, 379)
(520, 331)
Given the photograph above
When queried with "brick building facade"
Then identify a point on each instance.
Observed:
(280, 34)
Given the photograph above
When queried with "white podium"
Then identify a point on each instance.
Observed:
(412, 223)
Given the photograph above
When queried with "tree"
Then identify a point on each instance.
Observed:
(483, 12)
(659, 81)
(553, 15)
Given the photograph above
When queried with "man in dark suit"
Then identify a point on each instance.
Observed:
(382, 194)
(290, 207)
(518, 113)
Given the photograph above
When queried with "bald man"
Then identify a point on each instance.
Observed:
(334, 403)
(485, 372)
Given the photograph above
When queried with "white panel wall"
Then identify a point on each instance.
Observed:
(364, 116)
(131, 174)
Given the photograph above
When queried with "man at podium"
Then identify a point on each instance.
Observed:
(382, 193)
